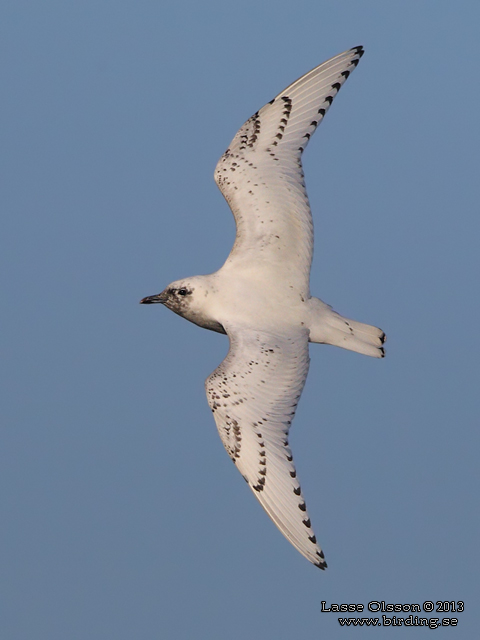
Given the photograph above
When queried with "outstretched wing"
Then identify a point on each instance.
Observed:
(253, 395)
(261, 176)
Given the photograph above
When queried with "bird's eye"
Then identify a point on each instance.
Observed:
(182, 292)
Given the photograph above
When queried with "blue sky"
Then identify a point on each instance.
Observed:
(123, 517)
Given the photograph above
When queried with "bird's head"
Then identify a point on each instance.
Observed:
(190, 298)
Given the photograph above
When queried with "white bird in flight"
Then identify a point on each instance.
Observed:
(261, 297)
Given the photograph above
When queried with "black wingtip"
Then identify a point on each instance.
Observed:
(321, 564)
(358, 50)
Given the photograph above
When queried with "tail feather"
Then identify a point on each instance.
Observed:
(329, 327)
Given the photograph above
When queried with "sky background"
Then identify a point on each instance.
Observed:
(122, 515)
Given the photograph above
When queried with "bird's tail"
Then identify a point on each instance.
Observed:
(329, 327)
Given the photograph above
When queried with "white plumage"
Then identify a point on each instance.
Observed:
(261, 297)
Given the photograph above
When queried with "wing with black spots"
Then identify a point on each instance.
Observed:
(253, 395)
(261, 176)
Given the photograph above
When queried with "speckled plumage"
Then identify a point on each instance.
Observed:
(261, 297)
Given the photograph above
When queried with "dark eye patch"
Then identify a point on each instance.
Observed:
(182, 292)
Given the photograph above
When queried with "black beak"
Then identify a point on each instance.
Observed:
(159, 298)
